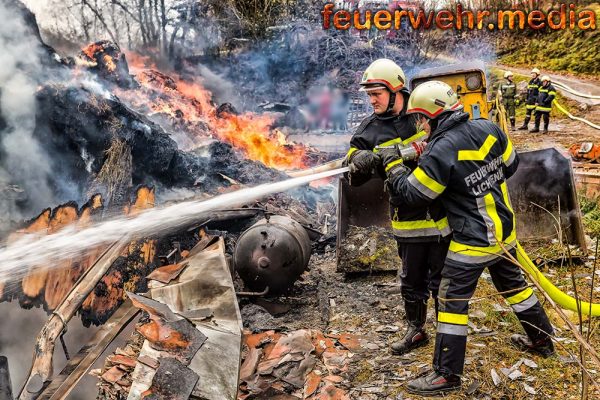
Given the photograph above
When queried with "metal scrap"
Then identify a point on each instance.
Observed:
(202, 299)
(172, 381)
(168, 331)
(167, 273)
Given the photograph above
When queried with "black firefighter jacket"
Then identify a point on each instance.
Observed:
(532, 92)
(546, 95)
(417, 223)
(466, 165)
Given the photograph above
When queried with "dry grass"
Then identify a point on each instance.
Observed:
(114, 178)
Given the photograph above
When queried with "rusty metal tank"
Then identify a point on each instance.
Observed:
(272, 253)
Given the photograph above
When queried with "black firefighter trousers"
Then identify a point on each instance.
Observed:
(456, 289)
(422, 265)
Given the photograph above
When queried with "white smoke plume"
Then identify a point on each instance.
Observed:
(22, 160)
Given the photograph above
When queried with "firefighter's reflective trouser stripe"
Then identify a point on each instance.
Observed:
(457, 287)
(421, 272)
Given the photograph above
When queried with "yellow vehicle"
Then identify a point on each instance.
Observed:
(469, 81)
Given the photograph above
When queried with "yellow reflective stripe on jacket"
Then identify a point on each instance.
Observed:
(352, 150)
(520, 297)
(552, 93)
(530, 106)
(427, 181)
(388, 143)
(509, 154)
(504, 189)
(418, 224)
(540, 108)
(543, 90)
(476, 255)
(481, 153)
(490, 207)
(392, 164)
(482, 251)
(451, 318)
(421, 228)
(532, 86)
(414, 137)
(443, 226)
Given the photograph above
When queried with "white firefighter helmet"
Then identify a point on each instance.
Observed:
(535, 71)
(545, 78)
(383, 73)
(507, 74)
(432, 99)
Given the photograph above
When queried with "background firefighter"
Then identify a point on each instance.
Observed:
(532, 97)
(465, 165)
(508, 92)
(546, 96)
(421, 232)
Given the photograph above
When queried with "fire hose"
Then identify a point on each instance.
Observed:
(561, 298)
(571, 116)
(566, 88)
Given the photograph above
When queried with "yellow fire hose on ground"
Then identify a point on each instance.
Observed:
(561, 298)
(568, 114)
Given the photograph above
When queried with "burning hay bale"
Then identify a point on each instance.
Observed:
(367, 250)
(106, 59)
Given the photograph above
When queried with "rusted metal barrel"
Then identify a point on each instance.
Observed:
(5, 385)
(272, 253)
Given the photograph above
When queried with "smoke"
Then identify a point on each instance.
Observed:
(23, 162)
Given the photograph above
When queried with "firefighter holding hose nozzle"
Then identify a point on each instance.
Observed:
(465, 166)
(421, 231)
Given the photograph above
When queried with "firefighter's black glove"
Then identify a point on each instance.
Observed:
(389, 157)
(392, 163)
(361, 162)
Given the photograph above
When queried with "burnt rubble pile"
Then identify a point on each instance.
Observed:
(102, 150)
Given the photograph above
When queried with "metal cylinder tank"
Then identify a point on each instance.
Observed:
(272, 253)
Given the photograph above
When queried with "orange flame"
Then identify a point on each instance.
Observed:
(109, 62)
(190, 105)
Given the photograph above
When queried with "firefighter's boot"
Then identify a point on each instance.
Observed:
(525, 124)
(512, 124)
(545, 130)
(415, 336)
(433, 384)
(543, 347)
(535, 129)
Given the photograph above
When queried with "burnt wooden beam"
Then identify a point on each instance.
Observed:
(62, 385)
(41, 369)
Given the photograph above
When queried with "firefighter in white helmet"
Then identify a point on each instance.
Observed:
(532, 94)
(546, 95)
(465, 165)
(508, 90)
(421, 232)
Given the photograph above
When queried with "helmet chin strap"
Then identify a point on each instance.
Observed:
(391, 103)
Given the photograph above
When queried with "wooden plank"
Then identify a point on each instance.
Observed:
(63, 383)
